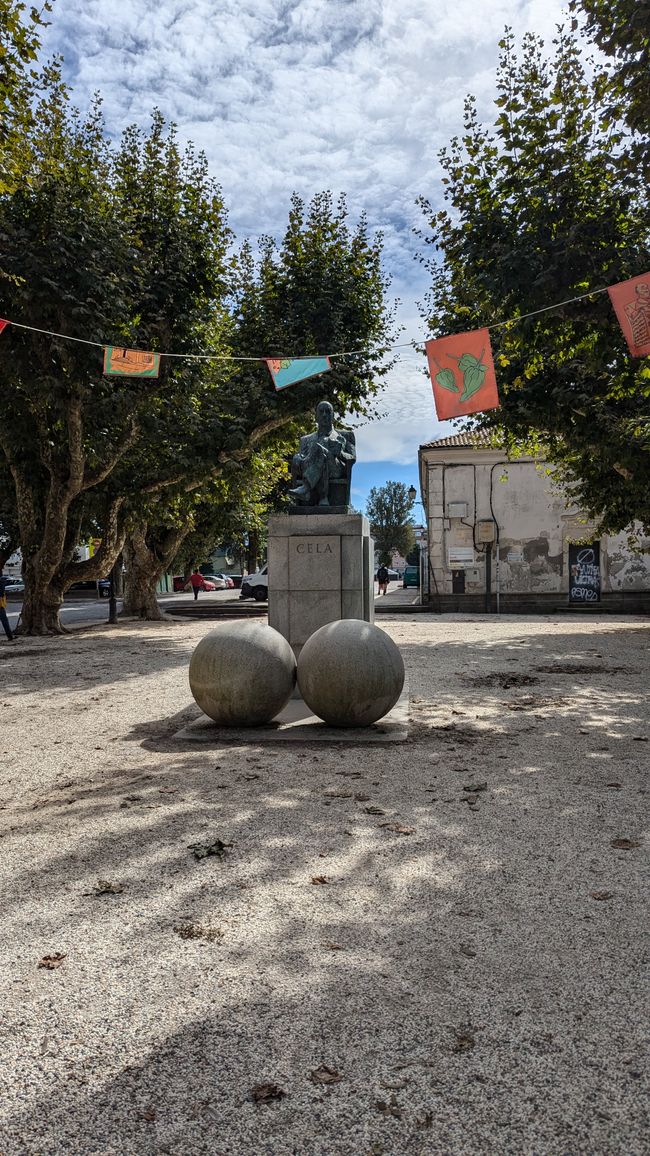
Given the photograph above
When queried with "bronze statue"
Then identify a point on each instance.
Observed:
(323, 464)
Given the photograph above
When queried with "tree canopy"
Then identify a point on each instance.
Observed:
(541, 208)
(389, 512)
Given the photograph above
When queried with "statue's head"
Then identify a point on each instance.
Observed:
(325, 417)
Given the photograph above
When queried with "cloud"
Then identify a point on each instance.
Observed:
(284, 95)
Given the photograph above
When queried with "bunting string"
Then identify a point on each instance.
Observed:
(414, 343)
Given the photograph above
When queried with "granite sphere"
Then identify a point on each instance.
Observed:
(350, 673)
(242, 673)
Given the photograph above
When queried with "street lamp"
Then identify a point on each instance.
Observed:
(412, 492)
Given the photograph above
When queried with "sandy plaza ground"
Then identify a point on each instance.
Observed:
(429, 947)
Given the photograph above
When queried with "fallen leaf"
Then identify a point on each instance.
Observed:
(50, 962)
(198, 931)
(476, 787)
(602, 894)
(471, 800)
(319, 879)
(333, 946)
(625, 844)
(202, 850)
(338, 794)
(639, 738)
(266, 1093)
(398, 828)
(362, 798)
(394, 1085)
(426, 1121)
(149, 1114)
(374, 811)
(467, 951)
(464, 1041)
(615, 786)
(391, 1109)
(104, 887)
(325, 1075)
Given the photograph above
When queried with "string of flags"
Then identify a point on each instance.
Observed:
(461, 365)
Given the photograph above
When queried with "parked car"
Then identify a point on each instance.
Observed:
(256, 585)
(412, 576)
(226, 577)
(218, 582)
(104, 587)
(180, 583)
(14, 586)
(237, 580)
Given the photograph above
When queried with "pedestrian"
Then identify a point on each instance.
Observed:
(196, 580)
(383, 579)
(4, 581)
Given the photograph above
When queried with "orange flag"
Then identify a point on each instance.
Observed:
(462, 374)
(631, 300)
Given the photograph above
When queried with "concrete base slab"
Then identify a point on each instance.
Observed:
(296, 724)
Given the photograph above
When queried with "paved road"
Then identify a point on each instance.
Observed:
(76, 609)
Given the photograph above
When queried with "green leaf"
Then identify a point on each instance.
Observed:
(446, 380)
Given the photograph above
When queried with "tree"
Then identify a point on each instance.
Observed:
(389, 511)
(19, 46)
(621, 30)
(131, 244)
(541, 209)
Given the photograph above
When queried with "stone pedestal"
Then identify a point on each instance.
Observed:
(321, 569)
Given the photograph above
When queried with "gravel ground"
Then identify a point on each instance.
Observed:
(471, 983)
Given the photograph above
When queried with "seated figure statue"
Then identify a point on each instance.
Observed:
(323, 464)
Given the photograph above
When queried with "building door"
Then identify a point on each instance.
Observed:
(458, 581)
(584, 574)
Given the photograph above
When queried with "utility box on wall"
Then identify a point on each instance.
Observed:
(486, 530)
(457, 509)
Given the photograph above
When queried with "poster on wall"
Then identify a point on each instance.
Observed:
(584, 573)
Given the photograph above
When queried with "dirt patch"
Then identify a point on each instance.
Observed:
(583, 668)
(504, 679)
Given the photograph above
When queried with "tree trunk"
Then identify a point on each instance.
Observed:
(253, 551)
(41, 605)
(141, 578)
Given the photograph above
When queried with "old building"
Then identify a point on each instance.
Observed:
(501, 537)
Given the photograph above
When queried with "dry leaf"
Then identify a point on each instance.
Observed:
(149, 1114)
(167, 790)
(198, 931)
(50, 962)
(361, 798)
(325, 1075)
(625, 844)
(464, 1041)
(319, 879)
(602, 894)
(474, 787)
(398, 828)
(394, 1085)
(374, 811)
(391, 1109)
(338, 794)
(467, 951)
(104, 887)
(333, 946)
(266, 1093)
(202, 850)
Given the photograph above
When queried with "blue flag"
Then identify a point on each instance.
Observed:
(287, 371)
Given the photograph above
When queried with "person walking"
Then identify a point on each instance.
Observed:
(382, 579)
(4, 581)
(196, 580)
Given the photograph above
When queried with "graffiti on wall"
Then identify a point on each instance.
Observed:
(584, 573)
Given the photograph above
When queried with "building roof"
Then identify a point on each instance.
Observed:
(472, 438)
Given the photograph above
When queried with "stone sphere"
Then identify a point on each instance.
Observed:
(350, 673)
(242, 673)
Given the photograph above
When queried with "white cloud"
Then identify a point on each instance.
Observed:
(284, 95)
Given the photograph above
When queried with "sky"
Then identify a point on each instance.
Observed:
(356, 96)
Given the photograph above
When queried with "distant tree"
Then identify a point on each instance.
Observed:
(389, 512)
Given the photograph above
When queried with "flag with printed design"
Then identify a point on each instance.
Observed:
(3, 324)
(462, 374)
(289, 370)
(631, 301)
(130, 362)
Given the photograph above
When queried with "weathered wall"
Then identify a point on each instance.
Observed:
(535, 527)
